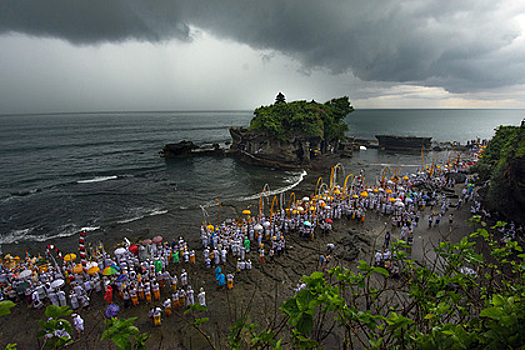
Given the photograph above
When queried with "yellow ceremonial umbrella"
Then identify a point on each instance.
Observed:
(311, 208)
(406, 178)
(376, 190)
(337, 192)
(77, 268)
(246, 212)
(93, 270)
(210, 227)
(392, 199)
(355, 196)
(364, 194)
(294, 211)
(389, 190)
(322, 204)
(70, 257)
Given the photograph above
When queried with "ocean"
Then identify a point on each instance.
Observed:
(101, 172)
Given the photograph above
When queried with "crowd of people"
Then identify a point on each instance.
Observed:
(155, 271)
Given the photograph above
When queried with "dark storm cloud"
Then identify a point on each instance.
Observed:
(461, 45)
(92, 21)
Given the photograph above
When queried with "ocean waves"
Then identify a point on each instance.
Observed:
(98, 179)
(32, 235)
(293, 178)
(141, 213)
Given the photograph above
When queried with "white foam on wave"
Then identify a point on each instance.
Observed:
(98, 179)
(90, 228)
(17, 236)
(142, 216)
(294, 181)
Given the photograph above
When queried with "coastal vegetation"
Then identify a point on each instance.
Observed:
(460, 299)
(311, 119)
(502, 163)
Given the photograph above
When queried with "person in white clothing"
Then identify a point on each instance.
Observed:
(79, 324)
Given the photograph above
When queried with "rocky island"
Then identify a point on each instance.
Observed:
(294, 135)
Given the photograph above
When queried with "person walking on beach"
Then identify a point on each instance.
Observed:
(79, 324)
(387, 239)
(202, 297)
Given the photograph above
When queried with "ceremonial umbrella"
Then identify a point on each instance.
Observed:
(392, 199)
(93, 270)
(122, 278)
(307, 223)
(134, 249)
(24, 274)
(389, 190)
(355, 196)
(22, 287)
(110, 270)
(258, 227)
(70, 257)
(246, 212)
(337, 192)
(78, 268)
(306, 199)
(57, 284)
(406, 177)
(364, 194)
(120, 251)
(157, 239)
(328, 221)
(210, 227)
(299, 208)
(112, 310)
(147, 241)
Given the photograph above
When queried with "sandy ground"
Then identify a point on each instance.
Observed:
(263, 289)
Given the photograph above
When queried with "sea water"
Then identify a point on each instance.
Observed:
(101, 172)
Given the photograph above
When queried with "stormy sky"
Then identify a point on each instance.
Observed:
(73, 55)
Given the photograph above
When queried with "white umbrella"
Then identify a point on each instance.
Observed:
(120, 251)
(306, 199)
(399, 204)
(327, 207)
(24, 274)
(258, 227)
(57, 284)
(266, 224)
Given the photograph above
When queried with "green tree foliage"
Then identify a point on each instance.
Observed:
(311, 119)
(56, 330)
(5, 307)
(507, 146)
(436, 304)
(119, 331)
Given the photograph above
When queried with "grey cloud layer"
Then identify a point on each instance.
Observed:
(462, 45)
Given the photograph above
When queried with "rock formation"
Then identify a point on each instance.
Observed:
(297, 152)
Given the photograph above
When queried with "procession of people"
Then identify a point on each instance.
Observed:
(155, 271)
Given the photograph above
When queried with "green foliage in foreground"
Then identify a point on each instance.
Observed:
(119, 331)
(435, 305)
(325, 121)
(5, 307)
(507, 146)
(56, 330)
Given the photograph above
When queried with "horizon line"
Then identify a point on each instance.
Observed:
(223, 110)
